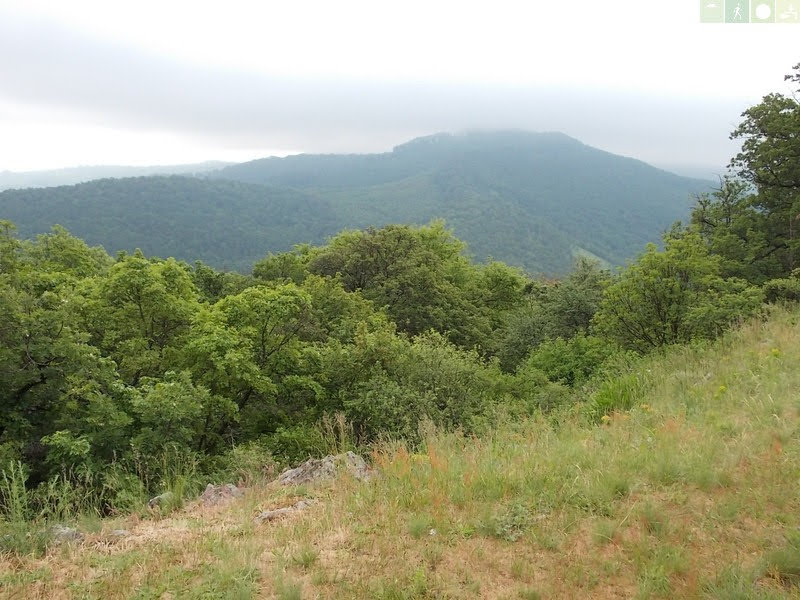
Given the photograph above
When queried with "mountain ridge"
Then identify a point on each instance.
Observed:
(535, 200)
(84, 173)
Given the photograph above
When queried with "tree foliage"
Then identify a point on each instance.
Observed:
(673, 296)
(770, 161)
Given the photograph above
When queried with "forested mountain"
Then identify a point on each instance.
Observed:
(531, 199)
(534, 200)
(73, 175)
(225, 223)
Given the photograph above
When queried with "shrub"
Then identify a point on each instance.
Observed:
(572, 361)
(294, 444)
(396, 383)
(246, 464)
(673, 296)
(122, 490)
(782, 289)
(382, 406)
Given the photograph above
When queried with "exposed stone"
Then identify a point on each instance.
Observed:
(271, 515)
(322, 469)
(214, 494)
(119, 533)
(161, 499)
(62, 534)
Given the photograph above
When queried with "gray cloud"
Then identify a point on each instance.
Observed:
(48, 66)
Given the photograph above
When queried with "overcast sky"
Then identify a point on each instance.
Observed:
(113, 82)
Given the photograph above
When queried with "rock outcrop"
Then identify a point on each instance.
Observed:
(214, 494)
(326, 469)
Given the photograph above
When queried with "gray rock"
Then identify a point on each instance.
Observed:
(62, 534)
(119, 533)
(160, 500)
(324, 469)
(272, 515)
(214, 494)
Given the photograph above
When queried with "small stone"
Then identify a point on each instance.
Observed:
(119, 533)
(161, 499)
(62, 533)
(234, 491)
(432, 532)
(271, 515)
(214, 494)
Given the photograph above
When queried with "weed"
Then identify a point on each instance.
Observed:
(508, 524)
(305, 557)
(15, 504)
(518, 568)
(419, 526)
(734, 583)
(655, 521)
(604, 531)
(288, 590)
(783, 564)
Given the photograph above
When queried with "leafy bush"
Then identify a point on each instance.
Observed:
(782, 289)
(294, 444)
(425, 379)
(673, 296)
(570, 361)
(382, 406)
(123, 491)
(246, 464)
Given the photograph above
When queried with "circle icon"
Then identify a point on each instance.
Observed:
(763, 12)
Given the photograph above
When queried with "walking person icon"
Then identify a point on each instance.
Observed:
(738, 11)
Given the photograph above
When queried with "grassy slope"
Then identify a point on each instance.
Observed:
(691, 493)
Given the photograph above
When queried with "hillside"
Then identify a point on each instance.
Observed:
(224, 223)
(73, 175)
(691, 492)
(532, 200)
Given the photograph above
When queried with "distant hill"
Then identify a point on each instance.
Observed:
(531, 199)
(535, 200)
(72, 175)
(224, 223)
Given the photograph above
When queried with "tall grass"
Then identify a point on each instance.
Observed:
(15, 505)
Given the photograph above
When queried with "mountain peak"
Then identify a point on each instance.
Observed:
(486, 138)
